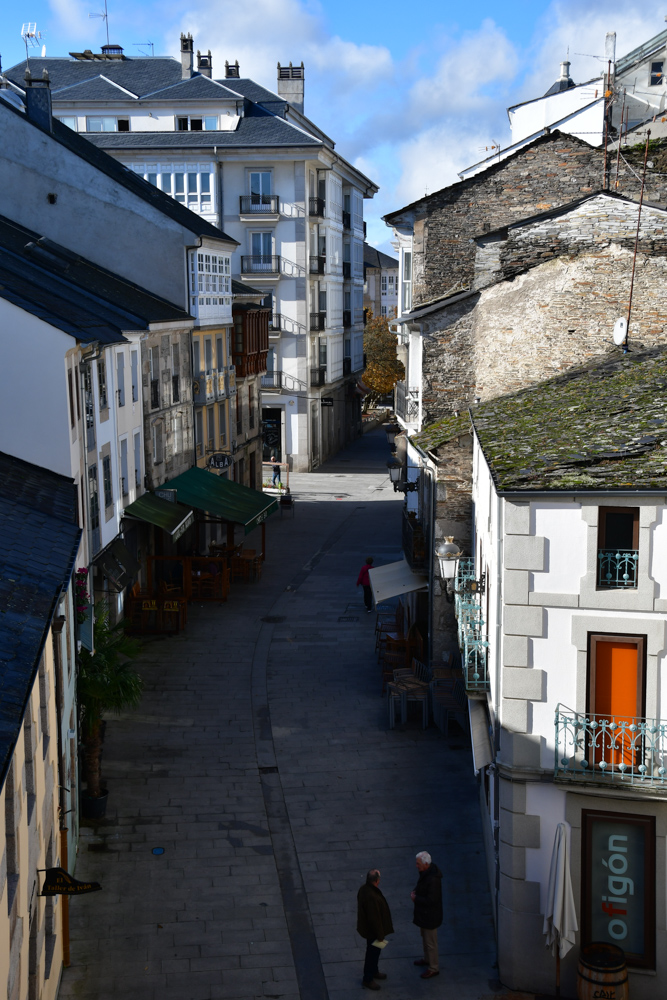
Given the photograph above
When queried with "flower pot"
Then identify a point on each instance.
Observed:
(94, 808)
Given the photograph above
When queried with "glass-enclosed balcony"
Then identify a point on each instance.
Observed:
(597, 748)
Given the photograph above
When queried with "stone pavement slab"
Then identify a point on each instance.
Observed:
(260, 760)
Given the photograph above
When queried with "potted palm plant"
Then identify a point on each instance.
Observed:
(106, 682)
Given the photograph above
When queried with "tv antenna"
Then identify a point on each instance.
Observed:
(105, 18)
(145, 45)
(31, 39)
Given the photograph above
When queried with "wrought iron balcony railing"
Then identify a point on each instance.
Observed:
(318, 321)
(471, 628)
(590, 747)
(347, 317)
(347, 366)
(317, 264)
(275, 323)
(617, 570)
(347, 221)
(347, 270)
(259, 204)
(155, 394)
(316, 207)
(318, 376)
(260, 263)
(272, 380)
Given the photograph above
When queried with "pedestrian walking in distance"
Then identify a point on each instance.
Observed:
(364, 581)
(373, 923)
(276, 472)
(427, 897)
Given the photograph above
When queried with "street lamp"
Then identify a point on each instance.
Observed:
(448, 554)
(391, 430)
(396, 473)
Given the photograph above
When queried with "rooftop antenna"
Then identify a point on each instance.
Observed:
(105, 18)
(31, 39)
(145, 44)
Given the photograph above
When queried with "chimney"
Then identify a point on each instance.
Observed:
(565, 70)
(186, 55)
(290, 85)
(232, 71)
(204, 64)
(38, 100)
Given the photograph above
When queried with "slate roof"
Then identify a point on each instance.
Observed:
(197, 88)
(89, 152)
(39, 539)
(599, 427)
(559, 86)
(68, 292)
(376, 258)
(97, 89)
(253, 91)
(141, 74)
(264, 130)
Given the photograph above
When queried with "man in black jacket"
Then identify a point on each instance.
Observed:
(373, 923)
(427, 897)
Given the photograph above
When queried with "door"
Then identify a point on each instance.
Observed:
(261, 251)
(616, 696)
(260, 188)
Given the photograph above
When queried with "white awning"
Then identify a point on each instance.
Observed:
(395, 579)
(482, 755)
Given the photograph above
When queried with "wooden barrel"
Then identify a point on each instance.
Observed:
(602, 973)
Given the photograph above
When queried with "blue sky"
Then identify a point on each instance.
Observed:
(410, 92)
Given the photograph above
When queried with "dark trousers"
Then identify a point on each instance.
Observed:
(368, 596)
(372, 956)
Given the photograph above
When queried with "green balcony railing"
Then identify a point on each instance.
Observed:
(617, 570)
(471, 628)
(590, 747)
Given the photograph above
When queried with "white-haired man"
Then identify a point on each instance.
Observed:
(427, 897)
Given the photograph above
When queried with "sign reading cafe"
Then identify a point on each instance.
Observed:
(618, 876)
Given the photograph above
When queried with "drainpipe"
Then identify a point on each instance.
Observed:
(96, 352)
(56, 628)
(219, 192)
(497, 694)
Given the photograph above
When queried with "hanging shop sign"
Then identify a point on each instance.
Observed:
(618, 873)
(220, 461)
(58, 882)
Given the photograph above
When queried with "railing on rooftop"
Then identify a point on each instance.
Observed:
(590, 747)
(617, 570)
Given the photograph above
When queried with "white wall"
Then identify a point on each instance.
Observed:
(566, 533)
(34, 416)
(548, 803)
(532, 117)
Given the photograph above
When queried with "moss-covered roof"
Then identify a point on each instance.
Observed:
(441, 431)
(599, 427)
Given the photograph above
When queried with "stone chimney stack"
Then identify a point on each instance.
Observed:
(204, 64)
(290, 85)
(187, 55)
(565, 70)
(38, 100)
(232, 71)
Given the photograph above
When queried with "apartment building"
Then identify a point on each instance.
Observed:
(250, 162)
(561, 614)
(380, 282)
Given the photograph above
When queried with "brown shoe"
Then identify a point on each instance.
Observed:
(370, 985)
(429, 974)
(380, 975)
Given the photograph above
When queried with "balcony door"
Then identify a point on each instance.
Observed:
(616, 699)
(261, 245)
(260, 188)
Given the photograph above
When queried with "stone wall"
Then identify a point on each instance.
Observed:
(554, 170)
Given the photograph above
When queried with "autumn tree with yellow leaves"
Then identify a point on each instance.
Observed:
(383, 369)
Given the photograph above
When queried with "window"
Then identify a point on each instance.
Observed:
(102, 383)
(222, 424)
(239, 413)
(90, 407)
(210, 427)
(70, 391)
(211, 283)
(106, 477)
(383, 310)
(618, 547)
(260, 187)
(407, 281)
(618, 883)
(321, 352)
(137, 459)
(192, 187)
(208, 354)
(251, 407)
(157, 443)
(196, 123)
(93, 498)
(175, 374)
(71, 121)
(199, 432)
(390, 280)
(656, 74)
(120, 378)
(134, 363)
(155, 377)
(196, 359)
(108, 124)
(219, 354)
(124, 483)
(261, 247)
(383, 284)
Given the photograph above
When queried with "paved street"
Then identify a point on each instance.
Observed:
(261, 762)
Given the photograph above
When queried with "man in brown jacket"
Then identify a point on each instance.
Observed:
(373, 923)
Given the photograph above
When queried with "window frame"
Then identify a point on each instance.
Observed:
(657, 76)
(116, 119)
(603, 513)
(593, 639)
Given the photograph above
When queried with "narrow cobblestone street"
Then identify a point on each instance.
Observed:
(261, 762)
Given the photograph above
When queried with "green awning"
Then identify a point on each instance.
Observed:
(173, 518)
(222, 498)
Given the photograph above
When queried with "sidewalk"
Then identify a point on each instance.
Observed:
(260, 761)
